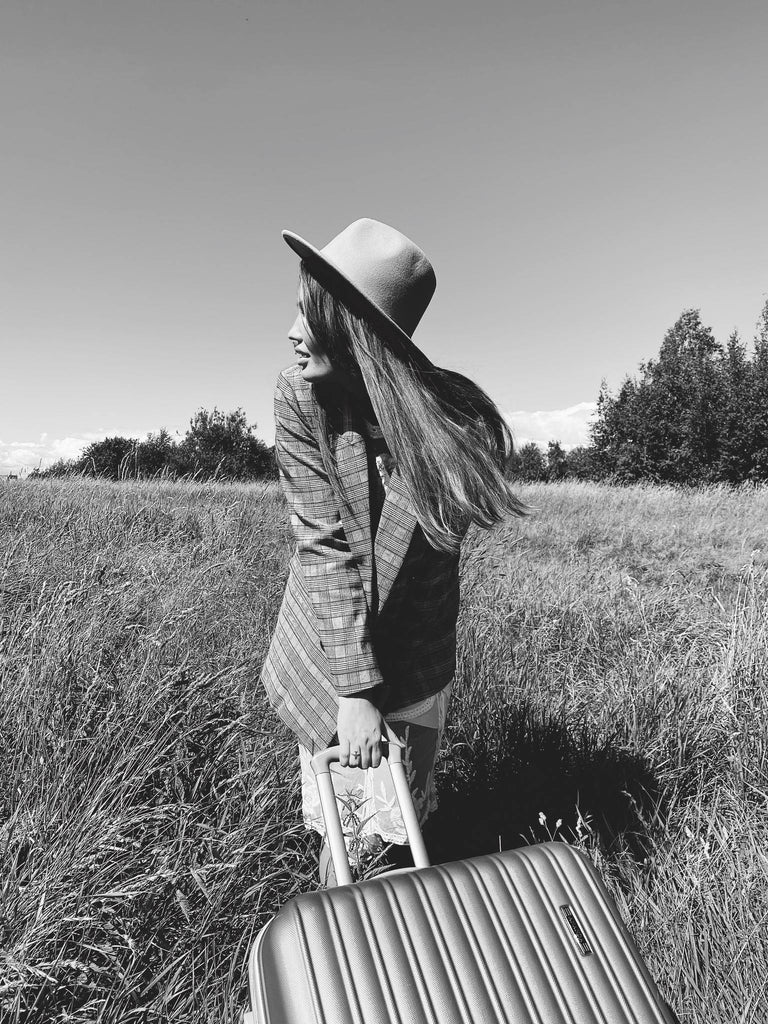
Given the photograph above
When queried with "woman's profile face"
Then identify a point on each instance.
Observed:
(311, 357)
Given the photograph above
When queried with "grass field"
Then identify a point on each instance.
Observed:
(612, 691)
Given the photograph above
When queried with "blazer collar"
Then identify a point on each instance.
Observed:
(396, 524)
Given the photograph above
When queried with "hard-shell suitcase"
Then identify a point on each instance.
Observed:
(528, 936)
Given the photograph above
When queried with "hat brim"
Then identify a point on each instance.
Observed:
(339, 285)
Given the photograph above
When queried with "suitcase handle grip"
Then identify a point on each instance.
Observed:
(321, 766)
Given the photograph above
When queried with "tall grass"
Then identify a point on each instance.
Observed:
(611, 691)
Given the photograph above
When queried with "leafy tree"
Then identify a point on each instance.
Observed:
(682, 402)
(512, 465)
(114, 458)
(216, 444)
(59, 468)
(221, 444)
(735, 459)
(581, 463)
(756, 412)
(159, 453)
(271, 471)
(621, 445)
(665, 426)
(531, 466)
(557, 463)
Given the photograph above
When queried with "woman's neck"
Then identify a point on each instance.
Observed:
(362, 402)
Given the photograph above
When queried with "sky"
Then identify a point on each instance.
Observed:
(579, 172)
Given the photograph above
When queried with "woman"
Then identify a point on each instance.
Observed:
(385, 460)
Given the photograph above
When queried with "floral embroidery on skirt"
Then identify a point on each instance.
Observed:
(367, 801)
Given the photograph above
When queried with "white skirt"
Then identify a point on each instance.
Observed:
(367, 802)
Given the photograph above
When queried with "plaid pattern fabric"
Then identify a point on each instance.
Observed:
(359, 613)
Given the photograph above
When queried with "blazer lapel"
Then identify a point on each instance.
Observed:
(393, 536)
(352, 466)
(396, 524)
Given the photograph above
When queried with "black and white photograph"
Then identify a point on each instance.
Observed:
(383, 512)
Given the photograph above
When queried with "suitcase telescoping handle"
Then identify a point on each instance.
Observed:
(321, 766)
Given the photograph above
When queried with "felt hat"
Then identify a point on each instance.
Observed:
(377, 272)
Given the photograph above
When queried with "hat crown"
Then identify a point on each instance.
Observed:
(386, 267)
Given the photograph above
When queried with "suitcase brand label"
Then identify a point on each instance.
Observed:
(581, 939)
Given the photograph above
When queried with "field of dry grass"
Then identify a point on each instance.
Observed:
(611, 691)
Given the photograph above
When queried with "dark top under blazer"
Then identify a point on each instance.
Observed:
(358, 611)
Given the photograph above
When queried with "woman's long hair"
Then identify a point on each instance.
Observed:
(450, 442)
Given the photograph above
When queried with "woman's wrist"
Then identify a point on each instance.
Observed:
(373, 695)
(356, 696)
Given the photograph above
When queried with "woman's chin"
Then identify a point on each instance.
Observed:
(314, 376)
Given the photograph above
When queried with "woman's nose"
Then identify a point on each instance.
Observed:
(296, 332)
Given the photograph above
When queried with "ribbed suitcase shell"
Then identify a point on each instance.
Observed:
(477, 941)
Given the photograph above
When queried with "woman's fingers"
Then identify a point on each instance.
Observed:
(364, 749)
(371, 754)
(376, 752)
(365, 752)
(343, 752)
(368, 747)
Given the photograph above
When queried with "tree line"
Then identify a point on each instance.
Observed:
(696, 414)
(217, 446)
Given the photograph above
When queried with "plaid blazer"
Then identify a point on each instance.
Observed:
(359, 613)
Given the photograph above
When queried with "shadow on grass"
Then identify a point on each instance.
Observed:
(495, 787)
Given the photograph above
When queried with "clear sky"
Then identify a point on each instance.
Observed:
(578, 171)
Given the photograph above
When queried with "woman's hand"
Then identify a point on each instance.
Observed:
(360, 727)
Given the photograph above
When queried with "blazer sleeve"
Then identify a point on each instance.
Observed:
(329, 566)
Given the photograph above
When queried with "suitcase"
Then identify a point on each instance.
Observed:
(528, 936)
